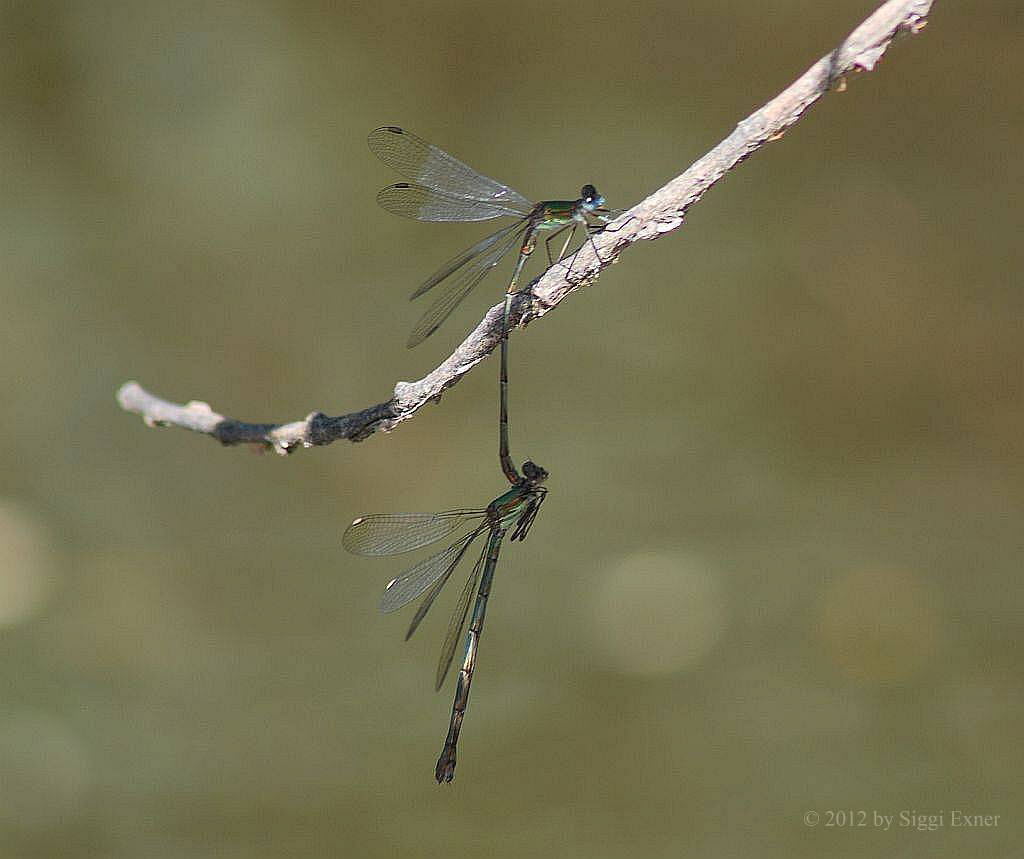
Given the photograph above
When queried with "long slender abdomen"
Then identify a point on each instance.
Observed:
(445, 769)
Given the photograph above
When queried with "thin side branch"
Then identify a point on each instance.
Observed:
(662, 212)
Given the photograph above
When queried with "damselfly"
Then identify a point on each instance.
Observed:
(395, 533)
(445, 189)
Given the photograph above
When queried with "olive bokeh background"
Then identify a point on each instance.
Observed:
(779, 569)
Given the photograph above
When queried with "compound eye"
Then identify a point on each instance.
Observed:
(588, 193)
(532, 471)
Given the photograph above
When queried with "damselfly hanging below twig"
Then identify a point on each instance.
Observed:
(395, 533)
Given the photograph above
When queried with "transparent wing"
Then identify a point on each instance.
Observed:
(426, 204)
(394, 533)
(414, 581)
(428, 601)
(431, 166)
(458, 621)
(461, 286)
(467, 256)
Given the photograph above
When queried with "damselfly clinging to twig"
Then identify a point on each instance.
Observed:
(442, 188)
(395, 533)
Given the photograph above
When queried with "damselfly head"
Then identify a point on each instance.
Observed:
(591, 198)
(534, 473)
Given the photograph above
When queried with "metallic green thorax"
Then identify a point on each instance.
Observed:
(513, 504)
(518, 507)
(507, 507)
(552, 214)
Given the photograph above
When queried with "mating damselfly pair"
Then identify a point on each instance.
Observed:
(442, 188)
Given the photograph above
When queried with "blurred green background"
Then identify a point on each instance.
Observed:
(779, 569)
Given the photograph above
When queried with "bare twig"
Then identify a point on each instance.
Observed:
(660, 213)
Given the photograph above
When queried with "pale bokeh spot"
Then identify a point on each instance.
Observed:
(880, 624)
(26, 563)
(657, 613)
